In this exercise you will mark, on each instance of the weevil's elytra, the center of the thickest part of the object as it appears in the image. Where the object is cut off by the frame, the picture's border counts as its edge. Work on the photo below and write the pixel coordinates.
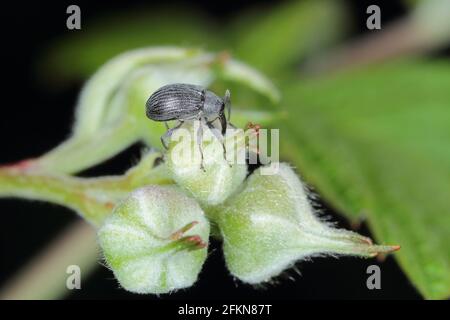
(183, 102)
(175, 102)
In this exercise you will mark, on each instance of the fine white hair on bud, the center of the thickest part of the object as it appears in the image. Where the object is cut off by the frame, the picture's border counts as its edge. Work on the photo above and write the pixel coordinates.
(271, 224)
(155, 241)
(213, 178)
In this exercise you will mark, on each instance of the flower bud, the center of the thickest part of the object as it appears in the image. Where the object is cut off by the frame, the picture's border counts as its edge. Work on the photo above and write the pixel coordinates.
(218, 174)
(271, 224)
(155, 240)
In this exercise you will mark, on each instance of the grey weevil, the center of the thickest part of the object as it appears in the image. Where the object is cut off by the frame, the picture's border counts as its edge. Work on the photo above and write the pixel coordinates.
(182, 102)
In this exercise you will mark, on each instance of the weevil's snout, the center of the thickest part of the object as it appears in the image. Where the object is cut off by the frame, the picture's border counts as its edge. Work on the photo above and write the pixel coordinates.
(223, 122)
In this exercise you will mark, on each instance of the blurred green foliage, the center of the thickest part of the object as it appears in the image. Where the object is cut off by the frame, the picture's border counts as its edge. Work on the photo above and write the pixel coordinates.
(107, 36)
(288, 34)
(374, 142)
(289, 31)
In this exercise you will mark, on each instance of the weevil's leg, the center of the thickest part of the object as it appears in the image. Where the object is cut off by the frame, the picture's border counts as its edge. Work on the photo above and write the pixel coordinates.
(219, 137)
(169, 133)
(228, 123)
(212, 121)
(200, 141)
(223, 123)
(167, 126)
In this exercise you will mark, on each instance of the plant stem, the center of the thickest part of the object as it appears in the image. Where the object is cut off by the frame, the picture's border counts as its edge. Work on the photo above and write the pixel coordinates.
(92, 198)
(77, 154)
(60, 189)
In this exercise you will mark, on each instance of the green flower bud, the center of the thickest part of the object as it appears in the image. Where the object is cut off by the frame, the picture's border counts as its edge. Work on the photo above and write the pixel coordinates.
(214, 178)
(155, 240)
(271, 224)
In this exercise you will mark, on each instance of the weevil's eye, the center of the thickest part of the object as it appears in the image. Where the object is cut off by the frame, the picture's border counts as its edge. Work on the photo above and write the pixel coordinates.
(222, 107)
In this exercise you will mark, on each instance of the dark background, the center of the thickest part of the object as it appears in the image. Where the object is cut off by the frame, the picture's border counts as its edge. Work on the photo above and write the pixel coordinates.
(34, 119)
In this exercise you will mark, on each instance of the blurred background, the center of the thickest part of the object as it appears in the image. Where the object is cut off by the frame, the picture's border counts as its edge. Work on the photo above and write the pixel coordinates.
(292, 42)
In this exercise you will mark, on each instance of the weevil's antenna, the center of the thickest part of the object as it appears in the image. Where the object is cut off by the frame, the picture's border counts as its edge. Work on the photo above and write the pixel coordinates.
(227, 101)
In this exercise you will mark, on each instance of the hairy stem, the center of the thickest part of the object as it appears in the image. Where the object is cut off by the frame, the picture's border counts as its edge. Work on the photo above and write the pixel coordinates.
(77, 154)
(92, 198)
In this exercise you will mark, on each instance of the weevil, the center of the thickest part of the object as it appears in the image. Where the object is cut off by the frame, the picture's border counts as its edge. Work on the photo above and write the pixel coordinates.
(183, 102)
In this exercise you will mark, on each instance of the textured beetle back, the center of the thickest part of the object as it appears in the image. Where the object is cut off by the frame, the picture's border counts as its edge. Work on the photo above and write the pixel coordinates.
(175, 102)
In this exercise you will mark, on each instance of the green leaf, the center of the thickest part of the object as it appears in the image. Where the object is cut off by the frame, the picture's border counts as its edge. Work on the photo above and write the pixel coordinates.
(376, 144)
